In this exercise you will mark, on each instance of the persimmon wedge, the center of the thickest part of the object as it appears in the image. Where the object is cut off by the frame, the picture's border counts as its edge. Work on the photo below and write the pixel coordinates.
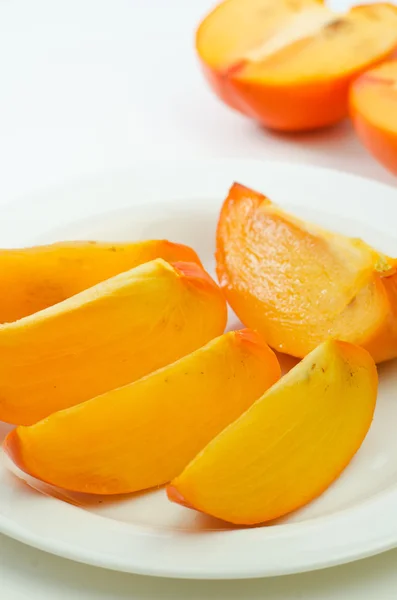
(290, 445)
(142, 435)
(373, 107)
(106, 337)
(289, 63)
(36, 278)
(298, 284)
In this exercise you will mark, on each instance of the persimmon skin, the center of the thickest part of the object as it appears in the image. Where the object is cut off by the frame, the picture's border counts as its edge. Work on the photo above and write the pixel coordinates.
(382, 144)
(297, 108)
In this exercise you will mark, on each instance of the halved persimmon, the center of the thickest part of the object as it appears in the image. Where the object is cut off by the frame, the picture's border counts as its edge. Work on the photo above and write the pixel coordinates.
(298, 284)
(38, 277)
(289, 63)
(144, 434)
(105, 337)
(290, 445)
(373, 107)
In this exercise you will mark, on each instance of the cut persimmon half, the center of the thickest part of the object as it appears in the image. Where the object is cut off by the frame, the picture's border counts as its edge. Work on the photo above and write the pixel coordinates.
(105, 337)
(373, 107)
(144, 434)
(289, 63)
(298, 284)
(290, 445)
(38, 277)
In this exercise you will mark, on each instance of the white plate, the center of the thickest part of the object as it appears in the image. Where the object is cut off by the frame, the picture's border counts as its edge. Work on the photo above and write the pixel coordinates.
(144, 533)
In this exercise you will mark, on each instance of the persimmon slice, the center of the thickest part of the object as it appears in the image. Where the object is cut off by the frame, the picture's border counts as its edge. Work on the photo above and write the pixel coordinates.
(290, 445)
(298, 284)
(145, 433)
(105, 337)
(38, 277)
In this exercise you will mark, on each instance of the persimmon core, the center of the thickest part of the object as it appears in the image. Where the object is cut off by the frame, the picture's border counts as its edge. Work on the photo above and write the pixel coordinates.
(297, 27)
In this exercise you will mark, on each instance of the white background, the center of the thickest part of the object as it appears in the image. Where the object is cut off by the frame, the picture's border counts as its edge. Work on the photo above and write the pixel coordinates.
(87, 86)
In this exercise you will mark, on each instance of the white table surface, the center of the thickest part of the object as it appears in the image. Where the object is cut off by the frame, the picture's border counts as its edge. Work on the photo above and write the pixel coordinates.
(90, 85)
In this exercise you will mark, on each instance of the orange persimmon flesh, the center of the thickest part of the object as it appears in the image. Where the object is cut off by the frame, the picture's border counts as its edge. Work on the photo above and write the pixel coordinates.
(298, 284)
(36, 278)
(290, 445)
(142, 435)
(106, 337)
(289, 63)
(373, 107)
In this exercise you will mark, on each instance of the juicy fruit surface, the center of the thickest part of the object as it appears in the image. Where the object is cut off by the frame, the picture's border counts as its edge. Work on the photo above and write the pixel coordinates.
(284, 42)
(39, 277)
(144, 434)
(298, 284)
(339, 44)
(106, 337)
(290, 445)
(222, 44)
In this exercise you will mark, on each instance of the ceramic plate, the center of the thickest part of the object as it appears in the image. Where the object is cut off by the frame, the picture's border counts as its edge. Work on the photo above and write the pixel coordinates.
(144, 533)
